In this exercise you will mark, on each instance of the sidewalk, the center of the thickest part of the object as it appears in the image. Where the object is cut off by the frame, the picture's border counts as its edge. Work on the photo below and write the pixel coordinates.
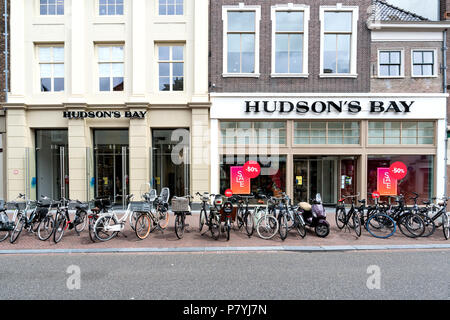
(193, 241)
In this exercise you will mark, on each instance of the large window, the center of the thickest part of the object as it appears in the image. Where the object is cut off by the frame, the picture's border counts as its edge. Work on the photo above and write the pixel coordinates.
(170, 7)
(51, 68)
(271, 181)
(327, 133)
(339, 40)
(51, 7)
(247, 133)
(420, 177)
(289, 42)
(241, 42)
(110, 7)
(390, 63)
(424, 63)
(407, 132)
(111, 68)
(171, 68)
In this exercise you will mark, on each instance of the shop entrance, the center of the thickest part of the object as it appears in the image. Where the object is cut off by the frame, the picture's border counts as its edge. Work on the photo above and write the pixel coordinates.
(329, 176)
(111, 164)
(52, 169)
(171, 160)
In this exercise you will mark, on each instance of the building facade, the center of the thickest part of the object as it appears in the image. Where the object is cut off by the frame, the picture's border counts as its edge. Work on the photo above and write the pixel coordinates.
(326, 97)
(107, 97)
(4, 67)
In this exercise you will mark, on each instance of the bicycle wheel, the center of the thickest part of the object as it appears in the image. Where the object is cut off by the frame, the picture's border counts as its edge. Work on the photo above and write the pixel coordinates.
(446, 226)
(133, 218)
(81, 221)
(17, 228)
(300, 225)
(91, 229)
(228, 227)
(201, 220)
(164, 220)
(267, 227)
(340, 217)
(430, 226)
(100, 228)
(357, 223)
(283, 226)
(411, 225)
(381, 226)
(60, 228)
(4, 234)
(45, 228)
(249, 225)
(143, 226)
(214, 227)
(179, 225)
(240, 216)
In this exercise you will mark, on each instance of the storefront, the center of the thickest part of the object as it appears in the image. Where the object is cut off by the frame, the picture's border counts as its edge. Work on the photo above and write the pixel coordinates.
(82, 153)
(331, 144)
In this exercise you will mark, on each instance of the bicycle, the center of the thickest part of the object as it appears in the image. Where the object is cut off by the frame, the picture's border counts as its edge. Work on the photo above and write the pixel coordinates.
(214, 218)
(101, 207)
(23, 221)
(181, 207)
(244, 215)
(47, 225)
(264, 219)
(108, 225)
(6, 226)
(205, 198)
(351, 219)
(155, 216)
(436, 210)
(63, 222)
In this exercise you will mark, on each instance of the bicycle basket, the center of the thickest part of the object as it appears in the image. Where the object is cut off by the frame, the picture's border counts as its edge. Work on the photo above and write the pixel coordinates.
(16, 205)
(180, 205)
(165, 195)
(139, 206)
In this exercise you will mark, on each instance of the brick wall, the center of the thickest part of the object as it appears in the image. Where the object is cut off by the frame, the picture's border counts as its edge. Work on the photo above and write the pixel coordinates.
(406, 84)
(267, 84)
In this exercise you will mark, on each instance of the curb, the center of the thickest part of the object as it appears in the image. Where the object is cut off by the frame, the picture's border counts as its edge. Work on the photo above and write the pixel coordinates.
(229, 249)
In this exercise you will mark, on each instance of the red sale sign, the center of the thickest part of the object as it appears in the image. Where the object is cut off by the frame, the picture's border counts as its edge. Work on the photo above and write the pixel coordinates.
(376, 195)
(240, 184)
(398, 170)
(386, 184)
(252, 169)
(228, 193)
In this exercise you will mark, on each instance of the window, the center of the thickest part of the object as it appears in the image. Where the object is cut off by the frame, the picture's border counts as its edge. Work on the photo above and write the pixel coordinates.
(423, 63)
(51, 7)
(390, 63)
(289, 50)
(241, 43)
(405, 133)
(111, 68)
(327, 133)
(110, 7)
(245, 133)
(339, 40)
(171, 68)
(51, 68)
(170, 7)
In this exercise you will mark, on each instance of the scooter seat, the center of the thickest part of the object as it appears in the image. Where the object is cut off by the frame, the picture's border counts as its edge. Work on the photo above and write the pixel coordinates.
(305, 206)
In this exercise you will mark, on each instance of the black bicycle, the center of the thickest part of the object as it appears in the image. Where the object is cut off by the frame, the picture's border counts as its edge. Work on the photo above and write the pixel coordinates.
(244, 215)
(181, 207)
(213, 220)
(203, 218)
(351, 219)
(63, 221)
(431, 213)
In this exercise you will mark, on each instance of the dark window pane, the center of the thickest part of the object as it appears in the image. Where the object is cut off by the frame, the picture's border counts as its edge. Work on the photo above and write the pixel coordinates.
(104, 84)
(46, 84)
(58, 84)
(118, 84)
(164, 84)
(178, 84)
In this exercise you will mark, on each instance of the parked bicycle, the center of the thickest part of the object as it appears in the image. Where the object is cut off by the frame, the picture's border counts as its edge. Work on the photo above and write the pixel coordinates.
(203, 217)
(63, 221)
(350, 219)
(181, 207)
(6, 226)
(214, 217)
(23, 221)
(264, 218)
(244, 215)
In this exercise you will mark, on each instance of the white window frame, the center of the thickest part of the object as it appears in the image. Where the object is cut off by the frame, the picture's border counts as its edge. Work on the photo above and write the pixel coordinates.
(240, 7)
(402, 63)
(354, 40)
(97, 11)
(38, 67)
(170, 15)
(97, 63)
(435, 67)
(38, 5)
(171, 62)
(306, 16)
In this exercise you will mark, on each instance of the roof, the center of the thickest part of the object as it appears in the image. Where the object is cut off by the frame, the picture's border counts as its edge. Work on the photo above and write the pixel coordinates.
(383, 11)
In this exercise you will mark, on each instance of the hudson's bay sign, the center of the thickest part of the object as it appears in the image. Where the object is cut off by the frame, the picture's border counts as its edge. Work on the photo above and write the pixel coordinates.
(104, 114)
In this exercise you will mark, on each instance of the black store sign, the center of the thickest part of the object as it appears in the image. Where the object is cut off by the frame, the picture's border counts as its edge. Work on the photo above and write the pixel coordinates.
(104, 114)
(319, 107)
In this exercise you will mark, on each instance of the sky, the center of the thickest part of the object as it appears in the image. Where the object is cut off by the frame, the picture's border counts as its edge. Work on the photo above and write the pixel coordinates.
(426, 8)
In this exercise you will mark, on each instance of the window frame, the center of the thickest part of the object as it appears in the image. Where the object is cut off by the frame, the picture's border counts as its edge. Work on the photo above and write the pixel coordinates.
(170, 15)
(402, 63)
(97, 62)
(38, 63)
(253, 140)
(306, 16)
(353, 41)
(241, 8)
(171, 62)
(116, 16)
(400, 137)
(435, 62)
(38, 5)
(327, 136)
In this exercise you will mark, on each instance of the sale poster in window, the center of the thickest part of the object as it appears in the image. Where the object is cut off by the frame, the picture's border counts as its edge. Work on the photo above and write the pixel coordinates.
(240, 184)
(386, 184)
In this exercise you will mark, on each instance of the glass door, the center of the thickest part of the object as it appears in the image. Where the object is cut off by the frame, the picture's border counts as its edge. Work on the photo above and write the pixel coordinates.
(301, 180)
(111, 164)
(348, 176)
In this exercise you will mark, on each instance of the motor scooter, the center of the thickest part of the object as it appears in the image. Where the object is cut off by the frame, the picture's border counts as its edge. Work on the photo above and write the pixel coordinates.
(315, 216)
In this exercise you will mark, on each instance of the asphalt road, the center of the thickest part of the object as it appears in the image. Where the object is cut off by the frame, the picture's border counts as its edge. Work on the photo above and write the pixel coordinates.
(227, 276)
